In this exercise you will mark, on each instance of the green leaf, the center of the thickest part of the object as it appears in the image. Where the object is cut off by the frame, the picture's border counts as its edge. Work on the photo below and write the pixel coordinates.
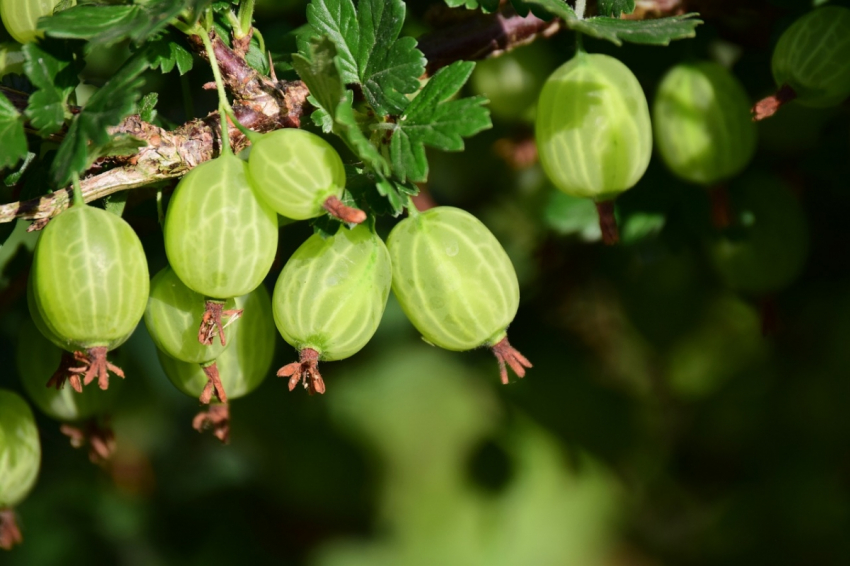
(88, 136)
(168, 52)
(107, 25)
(147, 107)
(52, 67)
(14, 177)
(115, 203)
(354, 137)
(616, 7)
(659, 31)
(369, 50)
(13, 140)
(434, 120)
(318, 67)
(555, 7)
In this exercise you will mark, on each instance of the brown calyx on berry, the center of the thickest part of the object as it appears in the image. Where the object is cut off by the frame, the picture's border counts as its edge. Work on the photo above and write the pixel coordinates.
(347, 214)
(10, 534)
(215, 418)
(767, 107)
(305, 371)
(65, 372)
(608, 222)
(212, 324)
(213, 385)
(508, 355)
(94, 365)
(98, 436)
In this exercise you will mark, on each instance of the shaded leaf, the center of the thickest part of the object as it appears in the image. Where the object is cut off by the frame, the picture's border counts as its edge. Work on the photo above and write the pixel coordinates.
(109, 24)
(434, 120)
(659, 31)
(616, 7)
(168, 52)
(13, 140)
(88, 134)
(52, 68)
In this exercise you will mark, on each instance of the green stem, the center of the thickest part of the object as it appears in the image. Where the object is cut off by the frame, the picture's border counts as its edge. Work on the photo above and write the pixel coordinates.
(223, 104)
(246, 15)
(250, 134)
(412, 211)
(579, 42)
(78, 191)
(261, 41)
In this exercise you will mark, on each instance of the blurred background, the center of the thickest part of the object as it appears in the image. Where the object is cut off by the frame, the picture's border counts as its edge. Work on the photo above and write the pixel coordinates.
(671, 417)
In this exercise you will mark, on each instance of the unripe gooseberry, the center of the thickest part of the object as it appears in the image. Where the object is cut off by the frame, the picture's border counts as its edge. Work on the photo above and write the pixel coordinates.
(702, 123)
(809, 62)
(20, 459)
(766, 248)
(300, 175)
(329, 299)
(21, 17)
(245, 363)
(512, 81)
(172, 317)
(455, 283)
(593, 129)
(220, 238)
(90, 284)
(240, 368)
(37, 360)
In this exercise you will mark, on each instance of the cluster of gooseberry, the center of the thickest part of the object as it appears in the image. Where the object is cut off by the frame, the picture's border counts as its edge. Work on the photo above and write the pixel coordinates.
(208, 313)
(594, 137)
(213, 321)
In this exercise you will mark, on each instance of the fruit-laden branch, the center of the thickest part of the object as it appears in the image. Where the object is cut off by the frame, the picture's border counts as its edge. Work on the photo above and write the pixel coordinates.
(261, 104)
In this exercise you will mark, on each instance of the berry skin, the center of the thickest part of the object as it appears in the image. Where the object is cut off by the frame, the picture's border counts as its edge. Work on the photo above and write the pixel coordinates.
(329, 299)
(172, 317)
(811, 57)
(299, 175)
(593, 129)
(220, 238)
(455, 282)
(89, 284)
(702, 123)
(766, 249)
(37, 360)
(20, 459)
(239, 369)
(246, 361)
(21, 17)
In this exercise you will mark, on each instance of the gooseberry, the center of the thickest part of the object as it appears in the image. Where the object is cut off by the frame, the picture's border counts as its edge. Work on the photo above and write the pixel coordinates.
(810, 62)
(20, 458)
(329, 300)
(455, 283)
(300, 175)
(765, 249)
(593, 131)
(220, 238)
(21, 17)
(242, 366)
(89, 285)
(702, 124)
